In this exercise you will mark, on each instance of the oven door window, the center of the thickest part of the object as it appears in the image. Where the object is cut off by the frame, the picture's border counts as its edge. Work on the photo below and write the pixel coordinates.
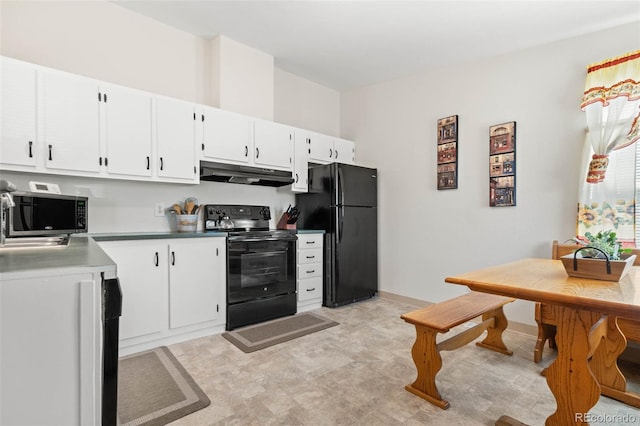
(260, 269)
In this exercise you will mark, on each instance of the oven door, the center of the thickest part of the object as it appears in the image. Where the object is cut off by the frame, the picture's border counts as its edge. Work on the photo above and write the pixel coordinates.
(260, 267)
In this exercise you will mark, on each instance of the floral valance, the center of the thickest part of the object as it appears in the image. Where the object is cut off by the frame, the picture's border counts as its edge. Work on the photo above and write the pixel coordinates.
(613, 78)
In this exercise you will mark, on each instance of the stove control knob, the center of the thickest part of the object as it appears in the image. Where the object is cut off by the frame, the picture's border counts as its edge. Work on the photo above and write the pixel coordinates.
(266, 289)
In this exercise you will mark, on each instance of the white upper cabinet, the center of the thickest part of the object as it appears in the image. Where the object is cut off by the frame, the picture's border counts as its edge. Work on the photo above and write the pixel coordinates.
(344, 151)
(325, 149)
(226, 136)
(320, 148)
(273, 145)
(300, 161)
(70, 121)
(18, 145)
(234, 138)
(176, 155)
(127, 130)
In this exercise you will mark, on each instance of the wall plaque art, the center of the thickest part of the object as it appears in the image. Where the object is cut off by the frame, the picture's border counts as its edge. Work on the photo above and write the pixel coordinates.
(502, 165)
(448, 152)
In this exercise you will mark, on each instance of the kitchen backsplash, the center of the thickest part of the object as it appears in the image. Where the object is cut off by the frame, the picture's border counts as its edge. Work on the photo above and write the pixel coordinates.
(129, 206)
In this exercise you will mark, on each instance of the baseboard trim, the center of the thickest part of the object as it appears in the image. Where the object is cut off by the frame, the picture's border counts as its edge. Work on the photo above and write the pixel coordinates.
(519, 327)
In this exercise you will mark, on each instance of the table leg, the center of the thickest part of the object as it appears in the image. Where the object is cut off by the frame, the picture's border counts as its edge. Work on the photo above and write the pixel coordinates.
(570, 379)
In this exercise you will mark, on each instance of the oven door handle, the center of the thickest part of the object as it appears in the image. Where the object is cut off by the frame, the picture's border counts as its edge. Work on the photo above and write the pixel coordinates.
(256, 239)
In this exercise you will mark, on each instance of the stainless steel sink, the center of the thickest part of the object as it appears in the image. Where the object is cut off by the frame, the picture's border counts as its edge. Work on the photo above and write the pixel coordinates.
(35, 243)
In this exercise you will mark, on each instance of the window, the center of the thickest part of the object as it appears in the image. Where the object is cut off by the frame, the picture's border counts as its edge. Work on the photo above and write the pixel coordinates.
(609, 190)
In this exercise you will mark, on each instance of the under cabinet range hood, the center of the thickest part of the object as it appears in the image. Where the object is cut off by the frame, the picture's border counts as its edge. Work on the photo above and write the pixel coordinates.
(232, 173)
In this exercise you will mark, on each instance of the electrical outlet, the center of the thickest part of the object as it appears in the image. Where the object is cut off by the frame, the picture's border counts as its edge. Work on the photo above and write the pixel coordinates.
(160, 210)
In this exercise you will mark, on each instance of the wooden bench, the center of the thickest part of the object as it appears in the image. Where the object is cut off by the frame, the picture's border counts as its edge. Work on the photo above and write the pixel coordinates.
(440, 318)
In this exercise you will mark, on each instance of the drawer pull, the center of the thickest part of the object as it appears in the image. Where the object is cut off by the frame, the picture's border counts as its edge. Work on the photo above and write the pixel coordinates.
(311, 271)
(311, 289)
(311, 242)
(311, 257)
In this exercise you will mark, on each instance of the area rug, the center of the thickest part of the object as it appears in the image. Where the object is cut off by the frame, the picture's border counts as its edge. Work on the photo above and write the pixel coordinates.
(263, 335)
(154, 389)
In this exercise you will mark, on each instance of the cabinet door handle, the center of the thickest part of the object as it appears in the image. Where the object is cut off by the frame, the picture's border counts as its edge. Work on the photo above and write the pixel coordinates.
(30, 149)
(100, 161)
(311, 271)
(311, 257)
(246, 151)
(161, 164)
(157, 259)
(330, 153)
(50, 155)
(106, 161)
(257, 152)
(311, 289)
(173, 258)
(296, 178)
(148, 162)
(336, 151)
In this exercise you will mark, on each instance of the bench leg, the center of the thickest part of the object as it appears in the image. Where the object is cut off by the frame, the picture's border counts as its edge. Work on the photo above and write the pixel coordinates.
(545, 332)
(428, 363)
(494, 340)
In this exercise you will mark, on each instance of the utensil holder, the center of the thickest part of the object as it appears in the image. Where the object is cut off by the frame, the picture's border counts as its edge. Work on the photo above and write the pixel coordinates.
(187, 222)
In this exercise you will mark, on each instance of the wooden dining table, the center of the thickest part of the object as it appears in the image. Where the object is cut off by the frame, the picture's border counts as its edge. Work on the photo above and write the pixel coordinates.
(588, 338)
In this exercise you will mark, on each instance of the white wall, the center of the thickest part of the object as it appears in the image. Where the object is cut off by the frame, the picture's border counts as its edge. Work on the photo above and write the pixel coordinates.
(426, 235)
(306, 104)
(245, 77)
(121, 206)
(102, 40)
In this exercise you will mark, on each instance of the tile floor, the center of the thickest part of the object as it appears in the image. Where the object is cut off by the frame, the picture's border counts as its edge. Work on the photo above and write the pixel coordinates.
(355, 373)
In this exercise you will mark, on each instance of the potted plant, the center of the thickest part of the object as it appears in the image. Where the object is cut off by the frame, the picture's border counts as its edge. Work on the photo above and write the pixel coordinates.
(600, 257)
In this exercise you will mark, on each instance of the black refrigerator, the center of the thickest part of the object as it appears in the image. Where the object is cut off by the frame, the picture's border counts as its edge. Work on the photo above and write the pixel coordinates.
(342, 201)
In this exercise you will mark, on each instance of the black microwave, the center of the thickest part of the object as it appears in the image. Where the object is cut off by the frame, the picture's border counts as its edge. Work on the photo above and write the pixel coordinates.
(39, 214)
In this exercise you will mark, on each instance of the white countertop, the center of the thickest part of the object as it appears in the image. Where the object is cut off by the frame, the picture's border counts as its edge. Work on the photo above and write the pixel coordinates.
(81, 255)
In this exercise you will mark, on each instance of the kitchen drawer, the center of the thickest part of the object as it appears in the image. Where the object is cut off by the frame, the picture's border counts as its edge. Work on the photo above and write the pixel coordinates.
(309, 256)
(309, 241)
(309, 270)
(310, 288)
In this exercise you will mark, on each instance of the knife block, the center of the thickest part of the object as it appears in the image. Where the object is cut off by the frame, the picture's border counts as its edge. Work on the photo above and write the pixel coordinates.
(282, 223)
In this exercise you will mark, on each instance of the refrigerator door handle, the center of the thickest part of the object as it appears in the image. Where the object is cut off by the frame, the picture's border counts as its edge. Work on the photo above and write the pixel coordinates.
(340, 189)
(339, 217)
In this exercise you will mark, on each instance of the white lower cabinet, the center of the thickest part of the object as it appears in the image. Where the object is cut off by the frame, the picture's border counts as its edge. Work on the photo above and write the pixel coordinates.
(197, 278)
(310, 271)
(50, 351)
(172, 289)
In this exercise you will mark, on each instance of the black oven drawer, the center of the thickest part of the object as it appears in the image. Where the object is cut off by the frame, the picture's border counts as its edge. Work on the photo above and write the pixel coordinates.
(256, 311)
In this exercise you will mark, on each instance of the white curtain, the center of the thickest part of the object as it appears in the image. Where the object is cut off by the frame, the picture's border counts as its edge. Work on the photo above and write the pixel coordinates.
(611, 103)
